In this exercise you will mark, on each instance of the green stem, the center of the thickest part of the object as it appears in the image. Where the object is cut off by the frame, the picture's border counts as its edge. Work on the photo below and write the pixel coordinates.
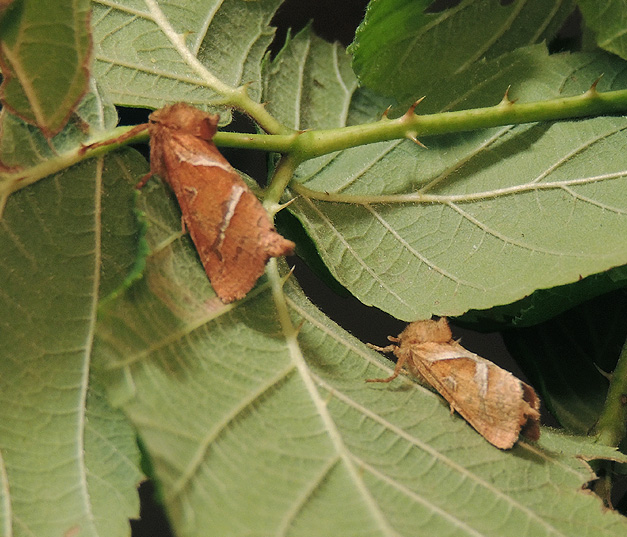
(314, 143)
(612, 425)
(290, 332)
(16, 180)
(412, 126)
(300, 146)
(276, 143)
(281, 178)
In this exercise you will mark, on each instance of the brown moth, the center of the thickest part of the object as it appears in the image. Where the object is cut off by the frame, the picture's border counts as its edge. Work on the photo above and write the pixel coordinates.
(496, 403)
(231, 230)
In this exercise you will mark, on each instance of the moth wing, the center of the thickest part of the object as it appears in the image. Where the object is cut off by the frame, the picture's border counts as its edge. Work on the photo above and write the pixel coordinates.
(492, 400)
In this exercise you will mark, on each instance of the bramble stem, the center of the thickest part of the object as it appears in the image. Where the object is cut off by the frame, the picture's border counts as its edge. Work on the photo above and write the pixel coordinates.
(314, 143)
(280, 179)
(301, 146)
(612, 425)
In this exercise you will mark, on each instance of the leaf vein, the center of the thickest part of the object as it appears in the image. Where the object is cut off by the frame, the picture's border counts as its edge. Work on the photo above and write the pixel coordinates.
(220, 426)
(336, 437)
(418, 498)
(417, 254)
(496, 34)
(348, 248)
(300, 502)
(508, 240)
(178, 42)
(401, 433)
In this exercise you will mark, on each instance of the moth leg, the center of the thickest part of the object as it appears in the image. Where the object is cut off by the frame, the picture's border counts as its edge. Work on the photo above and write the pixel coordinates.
(399, 364)
(389, 348)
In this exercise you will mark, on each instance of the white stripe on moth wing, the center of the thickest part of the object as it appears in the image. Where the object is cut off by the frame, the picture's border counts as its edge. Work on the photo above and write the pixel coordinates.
(229, 210)
(200, 159)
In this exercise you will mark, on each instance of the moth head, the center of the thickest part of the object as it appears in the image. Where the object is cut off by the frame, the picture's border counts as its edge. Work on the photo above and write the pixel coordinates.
(187, 119)
(427, 331)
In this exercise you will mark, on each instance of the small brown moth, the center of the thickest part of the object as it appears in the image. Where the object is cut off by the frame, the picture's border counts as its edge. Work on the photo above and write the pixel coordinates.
(231, 230)
(496, 403)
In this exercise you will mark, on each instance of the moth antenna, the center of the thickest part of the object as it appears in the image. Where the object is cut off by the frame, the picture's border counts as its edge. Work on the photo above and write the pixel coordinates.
(402, 358)
(300, 326)
(137, 129)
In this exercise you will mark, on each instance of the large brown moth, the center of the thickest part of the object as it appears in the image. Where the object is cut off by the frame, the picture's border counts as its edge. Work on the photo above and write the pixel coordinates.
(231, 230)
(496, 403)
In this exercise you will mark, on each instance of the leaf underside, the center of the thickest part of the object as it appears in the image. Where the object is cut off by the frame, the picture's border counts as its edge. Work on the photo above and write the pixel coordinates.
(510, 209)
(607, 20)
(248, 435)
(397, 33)
(140, 60)
(68, 461)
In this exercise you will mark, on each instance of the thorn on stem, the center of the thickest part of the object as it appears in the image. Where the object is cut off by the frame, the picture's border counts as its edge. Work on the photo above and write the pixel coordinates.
(283, 282)
(288, 203)
(143, 181)
(411, 110)
(385, 114)
(412, 136)
(593, 89)
(605, 374)
(506, 101)
(274, 208)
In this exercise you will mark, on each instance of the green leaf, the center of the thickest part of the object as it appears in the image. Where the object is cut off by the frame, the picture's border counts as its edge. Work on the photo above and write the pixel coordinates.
(608, 21)
(248, 434)
(575, 348)
(404, 52)
(544, 304)
(322, 99)
(23, 147)
(153, 53)
(45, 93)
(69, 461)
(506, 210)
(251, 432)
